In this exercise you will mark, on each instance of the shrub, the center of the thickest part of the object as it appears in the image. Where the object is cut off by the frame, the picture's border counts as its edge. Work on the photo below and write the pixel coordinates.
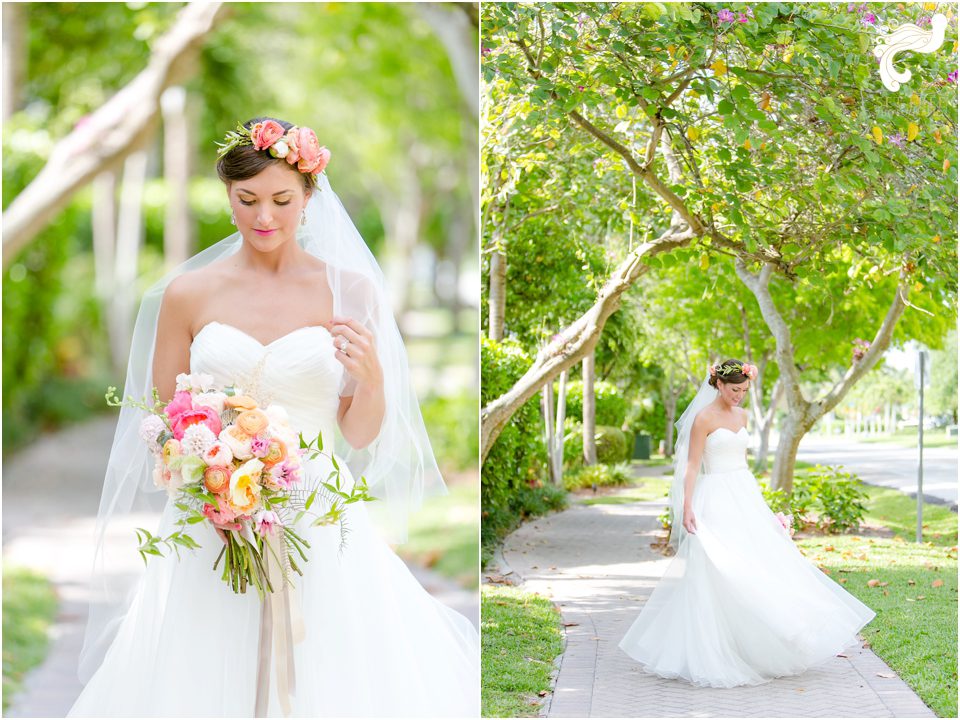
(451, 422)
(572, 444)
(601, 475)
(611, 445)
(829, 498)
(511, 485)
(611, 407)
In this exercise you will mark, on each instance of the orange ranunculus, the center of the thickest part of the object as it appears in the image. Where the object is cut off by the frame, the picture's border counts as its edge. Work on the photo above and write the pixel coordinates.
(216, 478)
(240, 402)
(276, 453)
(252, 422)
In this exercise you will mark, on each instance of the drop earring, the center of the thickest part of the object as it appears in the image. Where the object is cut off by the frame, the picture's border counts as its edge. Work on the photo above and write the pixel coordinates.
(233, 219)
(303, 218)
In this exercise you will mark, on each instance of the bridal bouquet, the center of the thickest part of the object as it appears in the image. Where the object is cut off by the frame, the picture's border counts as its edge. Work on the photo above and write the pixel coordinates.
(239, 467)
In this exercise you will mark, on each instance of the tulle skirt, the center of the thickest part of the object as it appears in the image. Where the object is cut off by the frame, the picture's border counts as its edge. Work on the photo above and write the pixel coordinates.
(739, 604)
(376, 645)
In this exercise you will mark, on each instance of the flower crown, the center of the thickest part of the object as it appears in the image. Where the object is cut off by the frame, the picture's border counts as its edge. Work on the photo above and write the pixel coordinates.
(298, 145)
(727, 369)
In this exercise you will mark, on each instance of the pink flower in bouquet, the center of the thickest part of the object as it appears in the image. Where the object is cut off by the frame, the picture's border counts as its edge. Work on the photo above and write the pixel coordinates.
(150, 430)
(199, 414)
(285, 474)
(221, 516)
(266, 522)
(259, 446)
(786, 521)
(213, 400)
(218, 454)
(181, 403)
(266, 134)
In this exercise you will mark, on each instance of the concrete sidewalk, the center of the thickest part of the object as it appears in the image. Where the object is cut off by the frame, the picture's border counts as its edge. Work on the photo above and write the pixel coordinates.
(51, 491)
(595, 562)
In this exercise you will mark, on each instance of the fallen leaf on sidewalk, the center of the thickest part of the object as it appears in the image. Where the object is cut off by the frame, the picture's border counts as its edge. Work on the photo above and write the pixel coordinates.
(543, 693)
(570, 624)
(843, 655)
(886, 675)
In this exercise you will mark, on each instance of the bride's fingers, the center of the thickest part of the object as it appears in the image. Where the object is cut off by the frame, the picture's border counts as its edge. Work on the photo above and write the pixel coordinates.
(359, 328)
(349, 333)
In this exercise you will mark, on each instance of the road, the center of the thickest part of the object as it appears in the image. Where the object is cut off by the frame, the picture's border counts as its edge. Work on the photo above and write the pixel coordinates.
(888, 465)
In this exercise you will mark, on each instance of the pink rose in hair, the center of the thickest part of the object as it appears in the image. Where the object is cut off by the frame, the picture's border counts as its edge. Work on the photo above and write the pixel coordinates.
(266, 134)
(311, 154)
(292, 139)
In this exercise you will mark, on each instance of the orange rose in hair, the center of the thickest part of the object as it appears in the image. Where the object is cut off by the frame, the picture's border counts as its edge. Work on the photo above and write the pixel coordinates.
(266, 134)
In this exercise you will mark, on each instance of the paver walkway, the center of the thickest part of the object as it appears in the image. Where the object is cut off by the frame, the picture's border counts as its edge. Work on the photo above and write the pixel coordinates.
(595, 562)
(51, 491)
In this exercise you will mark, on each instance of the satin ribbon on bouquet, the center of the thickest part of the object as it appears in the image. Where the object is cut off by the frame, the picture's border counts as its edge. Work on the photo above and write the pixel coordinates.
(281, 627)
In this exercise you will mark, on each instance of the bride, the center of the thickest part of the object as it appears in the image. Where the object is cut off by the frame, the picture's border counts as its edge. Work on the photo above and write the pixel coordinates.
(292, 308)
(738, 603)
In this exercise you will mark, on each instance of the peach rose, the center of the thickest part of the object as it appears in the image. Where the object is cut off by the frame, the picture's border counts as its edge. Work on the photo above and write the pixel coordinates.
(216, 478)
(238, 442)
(266, 134)
(218, 454)
(252, 422)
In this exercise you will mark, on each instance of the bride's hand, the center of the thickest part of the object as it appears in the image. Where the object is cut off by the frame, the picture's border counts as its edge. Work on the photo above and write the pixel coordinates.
(689, 521)
(356, 350)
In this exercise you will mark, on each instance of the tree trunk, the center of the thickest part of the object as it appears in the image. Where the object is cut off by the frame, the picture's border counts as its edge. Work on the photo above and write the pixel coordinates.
(802, 413)
(764, 425)
(124, 123)
(497, 294)
(14, 57)
(577, 339)
(176, 172)
(104, 236)
(129, 239)
(561, 417)
(549, 434)
(589, 411)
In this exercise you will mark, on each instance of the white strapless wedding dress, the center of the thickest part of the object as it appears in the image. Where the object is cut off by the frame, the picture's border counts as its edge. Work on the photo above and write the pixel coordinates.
(739, 604)
(376, 645)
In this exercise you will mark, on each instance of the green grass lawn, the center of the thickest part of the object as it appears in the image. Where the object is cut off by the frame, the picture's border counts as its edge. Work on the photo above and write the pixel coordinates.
(29, 606)
(897, 511)
(643, 488)
(445, 534)
(521, 635)
(915, 598)
(908, 438)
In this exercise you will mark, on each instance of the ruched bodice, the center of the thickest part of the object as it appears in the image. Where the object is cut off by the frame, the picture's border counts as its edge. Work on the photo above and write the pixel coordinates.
(725, 450)
(297, 371)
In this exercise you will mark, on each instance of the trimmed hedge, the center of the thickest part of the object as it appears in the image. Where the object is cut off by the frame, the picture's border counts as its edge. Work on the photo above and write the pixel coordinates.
(511, 485)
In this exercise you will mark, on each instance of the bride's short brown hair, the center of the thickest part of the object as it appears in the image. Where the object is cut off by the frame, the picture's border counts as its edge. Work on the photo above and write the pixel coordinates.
(244, 161)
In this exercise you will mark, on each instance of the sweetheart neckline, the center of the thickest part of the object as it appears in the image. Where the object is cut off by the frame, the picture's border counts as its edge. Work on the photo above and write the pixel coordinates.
(734, 432)
(251, 337)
